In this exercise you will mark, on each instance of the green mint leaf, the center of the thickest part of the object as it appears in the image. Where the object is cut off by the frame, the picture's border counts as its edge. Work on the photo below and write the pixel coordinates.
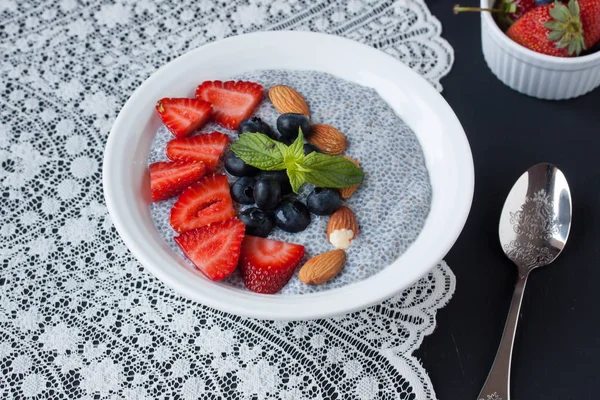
(330, 171)
(260, 151)
(296, 179)
(294, 154)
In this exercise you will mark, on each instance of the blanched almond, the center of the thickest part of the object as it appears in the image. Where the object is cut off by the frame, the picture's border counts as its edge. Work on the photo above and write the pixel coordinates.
(342, 228)
(323, 267)
(288, 100)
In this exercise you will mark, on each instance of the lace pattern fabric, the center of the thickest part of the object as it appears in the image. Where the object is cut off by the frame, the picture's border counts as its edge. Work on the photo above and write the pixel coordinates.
(79, 317)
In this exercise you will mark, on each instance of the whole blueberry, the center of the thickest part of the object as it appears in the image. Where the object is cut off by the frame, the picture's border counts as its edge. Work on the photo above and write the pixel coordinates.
(288, 125)
(267, 193)
(323, 201)
(281, 177)
(255, 125)
(237, 167)
(292, 216)
(242, 190)
(310, 148)
(257, 221)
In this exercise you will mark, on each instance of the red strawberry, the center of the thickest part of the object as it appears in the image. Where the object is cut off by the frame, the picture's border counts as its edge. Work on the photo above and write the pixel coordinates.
(267, 265)
(207, 148)
(558, 30)
(590, 19)
(214, 249)
(202, 204)
(183, 116)
(168, 179)
(232, 101)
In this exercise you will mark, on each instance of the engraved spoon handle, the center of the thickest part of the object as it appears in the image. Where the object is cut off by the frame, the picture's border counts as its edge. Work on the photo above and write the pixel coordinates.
(497, 385)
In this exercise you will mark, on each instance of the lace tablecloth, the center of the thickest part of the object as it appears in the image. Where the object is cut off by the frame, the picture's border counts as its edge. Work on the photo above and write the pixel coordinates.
(79, 317)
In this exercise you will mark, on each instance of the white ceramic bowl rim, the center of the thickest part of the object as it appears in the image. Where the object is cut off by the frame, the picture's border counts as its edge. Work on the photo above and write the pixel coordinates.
(447, 153)
(527, 55)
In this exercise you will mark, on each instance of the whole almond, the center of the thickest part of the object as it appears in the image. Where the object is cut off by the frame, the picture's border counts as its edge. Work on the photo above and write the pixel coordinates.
(328, 139)
(342, 228)
(347, 192)
(323, 267)
(288, 100)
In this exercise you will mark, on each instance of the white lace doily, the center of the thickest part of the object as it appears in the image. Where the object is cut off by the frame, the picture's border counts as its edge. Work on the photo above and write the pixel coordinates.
(79, 317)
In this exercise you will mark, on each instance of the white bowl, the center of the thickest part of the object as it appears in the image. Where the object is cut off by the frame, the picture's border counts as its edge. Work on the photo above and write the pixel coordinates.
(447, 153)
(534, 74)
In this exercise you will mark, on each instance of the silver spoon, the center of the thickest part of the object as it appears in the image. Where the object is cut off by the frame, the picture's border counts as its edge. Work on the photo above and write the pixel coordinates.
(534, 227)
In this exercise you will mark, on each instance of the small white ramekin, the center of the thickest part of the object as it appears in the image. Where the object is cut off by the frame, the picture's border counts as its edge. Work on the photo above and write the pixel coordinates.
(535, 74)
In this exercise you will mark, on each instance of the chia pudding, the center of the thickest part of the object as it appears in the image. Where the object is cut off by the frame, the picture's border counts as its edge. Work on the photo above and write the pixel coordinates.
(392, 203)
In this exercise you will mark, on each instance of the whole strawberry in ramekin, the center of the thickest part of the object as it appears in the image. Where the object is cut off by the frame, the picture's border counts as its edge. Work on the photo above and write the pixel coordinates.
(547, 52)
(559, 30)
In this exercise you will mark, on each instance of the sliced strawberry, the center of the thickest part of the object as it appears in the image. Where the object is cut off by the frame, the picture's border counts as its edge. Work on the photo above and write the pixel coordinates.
(202, 204)
(214, 249)
(183, 116)
(168, 179)
(232, 101)
(207, 148)
(267, 265)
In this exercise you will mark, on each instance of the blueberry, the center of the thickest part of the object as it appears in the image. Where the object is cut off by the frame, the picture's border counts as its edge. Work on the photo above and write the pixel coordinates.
(237, 167)
(309, 148)
(267, 193)
(292, 216)
(242, 190)
(288, 124)
(281, 177)
(258, 222)
(323, 201)
(255, 125)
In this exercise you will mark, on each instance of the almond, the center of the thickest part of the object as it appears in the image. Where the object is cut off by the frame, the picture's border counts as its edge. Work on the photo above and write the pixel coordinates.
(347, 192)
(342, 228)
(288, 100)
(323, 267)
(328, 139)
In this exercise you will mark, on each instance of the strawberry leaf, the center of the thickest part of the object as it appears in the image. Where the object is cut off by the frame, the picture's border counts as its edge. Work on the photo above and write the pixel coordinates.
(555, 35)
(574, 8)
(560, 12)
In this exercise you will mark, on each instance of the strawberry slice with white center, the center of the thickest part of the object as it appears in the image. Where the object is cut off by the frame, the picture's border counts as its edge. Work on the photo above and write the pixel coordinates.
(267, 265)
(214, 249)
(183, 116)
(206, 147)
(168, 179)
(202, 204)
(232, 101)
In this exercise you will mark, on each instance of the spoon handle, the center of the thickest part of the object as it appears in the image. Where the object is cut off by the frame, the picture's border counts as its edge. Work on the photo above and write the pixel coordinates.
(497, 385)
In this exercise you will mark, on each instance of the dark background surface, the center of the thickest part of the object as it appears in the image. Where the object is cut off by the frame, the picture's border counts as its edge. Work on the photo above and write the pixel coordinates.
(557, 347)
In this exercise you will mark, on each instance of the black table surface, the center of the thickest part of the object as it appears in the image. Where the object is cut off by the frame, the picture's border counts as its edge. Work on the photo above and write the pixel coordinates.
(557, 347)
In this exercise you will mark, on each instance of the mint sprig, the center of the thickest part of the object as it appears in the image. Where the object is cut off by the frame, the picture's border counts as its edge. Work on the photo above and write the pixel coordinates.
(260, 151)
(321, 170)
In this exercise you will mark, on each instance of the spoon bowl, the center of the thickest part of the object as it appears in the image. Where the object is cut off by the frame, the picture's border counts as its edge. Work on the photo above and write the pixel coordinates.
(534, 227)
(536, 218)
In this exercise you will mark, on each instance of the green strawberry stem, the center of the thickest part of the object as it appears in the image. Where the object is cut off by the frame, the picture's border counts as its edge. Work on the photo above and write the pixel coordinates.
(459, 9)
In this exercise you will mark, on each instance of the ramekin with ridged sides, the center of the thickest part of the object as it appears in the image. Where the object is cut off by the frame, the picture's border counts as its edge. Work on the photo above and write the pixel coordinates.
(535, 74)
